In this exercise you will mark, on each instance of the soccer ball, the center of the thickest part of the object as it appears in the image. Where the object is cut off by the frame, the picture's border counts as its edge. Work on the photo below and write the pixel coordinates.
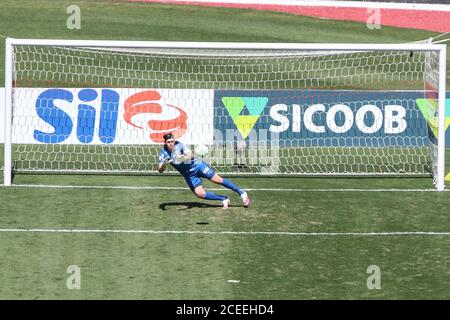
(201, 150)
(241, 145)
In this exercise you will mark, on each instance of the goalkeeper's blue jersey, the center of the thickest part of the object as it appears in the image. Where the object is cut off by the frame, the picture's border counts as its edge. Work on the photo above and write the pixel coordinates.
(187, 167)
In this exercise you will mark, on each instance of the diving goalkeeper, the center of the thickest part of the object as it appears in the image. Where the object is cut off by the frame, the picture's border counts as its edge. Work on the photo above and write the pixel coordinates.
(193, 169)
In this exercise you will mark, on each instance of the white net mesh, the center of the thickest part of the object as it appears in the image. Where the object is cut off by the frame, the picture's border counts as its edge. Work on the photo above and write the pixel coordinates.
(259, 111)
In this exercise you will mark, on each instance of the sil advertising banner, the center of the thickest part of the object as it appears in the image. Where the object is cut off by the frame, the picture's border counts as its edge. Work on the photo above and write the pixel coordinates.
(111, 116)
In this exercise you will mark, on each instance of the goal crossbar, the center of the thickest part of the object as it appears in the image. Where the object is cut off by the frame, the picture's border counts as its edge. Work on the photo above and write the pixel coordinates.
(227, 45)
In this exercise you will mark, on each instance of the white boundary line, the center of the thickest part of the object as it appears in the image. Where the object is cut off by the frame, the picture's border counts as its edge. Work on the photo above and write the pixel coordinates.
(325, 3)
(233, 233)
(223, 189)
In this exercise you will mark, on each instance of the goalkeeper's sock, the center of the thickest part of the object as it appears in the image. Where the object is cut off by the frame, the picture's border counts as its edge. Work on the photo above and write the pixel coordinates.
(214, 196)
(230, 185)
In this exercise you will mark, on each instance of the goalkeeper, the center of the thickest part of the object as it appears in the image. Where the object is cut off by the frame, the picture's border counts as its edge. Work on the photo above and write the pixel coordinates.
(193, 169)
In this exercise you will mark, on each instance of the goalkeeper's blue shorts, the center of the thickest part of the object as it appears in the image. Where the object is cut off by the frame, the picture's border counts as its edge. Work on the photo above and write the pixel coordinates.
(193, 177)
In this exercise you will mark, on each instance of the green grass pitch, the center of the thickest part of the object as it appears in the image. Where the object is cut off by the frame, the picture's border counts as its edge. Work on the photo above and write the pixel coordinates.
(303, 258)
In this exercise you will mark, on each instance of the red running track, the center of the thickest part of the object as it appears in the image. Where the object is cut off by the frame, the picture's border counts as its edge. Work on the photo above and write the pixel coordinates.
(438, 21)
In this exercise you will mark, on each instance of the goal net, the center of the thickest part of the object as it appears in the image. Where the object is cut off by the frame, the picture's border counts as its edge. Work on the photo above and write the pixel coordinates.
(103, 107)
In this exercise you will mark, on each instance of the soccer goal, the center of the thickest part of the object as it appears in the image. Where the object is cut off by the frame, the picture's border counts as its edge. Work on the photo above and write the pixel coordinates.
(261, 108)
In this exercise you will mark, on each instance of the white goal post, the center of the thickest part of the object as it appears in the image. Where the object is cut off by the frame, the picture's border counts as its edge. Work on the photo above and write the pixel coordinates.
(88, 106)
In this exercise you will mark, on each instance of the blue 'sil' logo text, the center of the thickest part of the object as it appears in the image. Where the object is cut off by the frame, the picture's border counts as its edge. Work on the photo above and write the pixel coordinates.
(62, 123)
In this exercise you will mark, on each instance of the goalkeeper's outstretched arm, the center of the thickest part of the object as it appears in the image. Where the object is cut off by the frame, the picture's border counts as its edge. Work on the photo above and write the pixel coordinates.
(163, 165)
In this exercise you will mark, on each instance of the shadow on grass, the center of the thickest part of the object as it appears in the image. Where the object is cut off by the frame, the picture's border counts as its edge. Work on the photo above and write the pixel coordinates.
(187, 205)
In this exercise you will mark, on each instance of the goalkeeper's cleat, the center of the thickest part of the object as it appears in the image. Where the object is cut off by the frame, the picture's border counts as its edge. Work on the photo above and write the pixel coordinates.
(226, 203)
(245, 199)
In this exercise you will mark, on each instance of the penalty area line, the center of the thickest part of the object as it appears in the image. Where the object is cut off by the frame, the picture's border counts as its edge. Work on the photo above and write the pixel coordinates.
(232, 233)
(222, 189)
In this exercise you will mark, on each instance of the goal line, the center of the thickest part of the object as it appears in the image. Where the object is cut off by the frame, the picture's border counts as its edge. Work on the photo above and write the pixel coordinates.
(232, 233)
(222, 189)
